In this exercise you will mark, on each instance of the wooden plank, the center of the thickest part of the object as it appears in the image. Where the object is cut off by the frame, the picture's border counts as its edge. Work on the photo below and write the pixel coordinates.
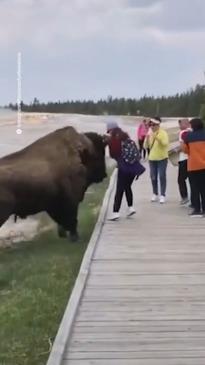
(147, 268)
(142, 306)
(144, 241)
(135, 355)
(168, 225)
(145, 344)
(156, 361)
(159, 247)
(119, 280)
(192, 291)
(147, 326)
(161, 250)
(134, 316)
(135, 257)
(132, 336)
(141, 237)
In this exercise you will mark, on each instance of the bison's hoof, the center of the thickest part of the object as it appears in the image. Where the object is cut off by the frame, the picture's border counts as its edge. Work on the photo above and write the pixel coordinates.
(74, 237)
(62, 232)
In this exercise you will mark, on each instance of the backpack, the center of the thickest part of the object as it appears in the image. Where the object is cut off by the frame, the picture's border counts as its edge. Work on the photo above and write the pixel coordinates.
(130, 152)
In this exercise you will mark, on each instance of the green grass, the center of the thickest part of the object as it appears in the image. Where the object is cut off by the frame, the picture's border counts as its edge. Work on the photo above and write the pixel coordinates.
(36, 280)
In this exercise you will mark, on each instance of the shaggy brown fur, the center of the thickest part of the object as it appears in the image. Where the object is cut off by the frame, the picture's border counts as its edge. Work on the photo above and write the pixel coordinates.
(52, 175)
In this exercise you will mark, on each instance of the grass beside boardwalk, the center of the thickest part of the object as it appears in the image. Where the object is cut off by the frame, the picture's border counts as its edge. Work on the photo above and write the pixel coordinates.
(36, 280)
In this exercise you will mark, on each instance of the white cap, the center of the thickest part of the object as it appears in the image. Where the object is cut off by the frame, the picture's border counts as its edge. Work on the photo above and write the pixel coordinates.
(155, 121)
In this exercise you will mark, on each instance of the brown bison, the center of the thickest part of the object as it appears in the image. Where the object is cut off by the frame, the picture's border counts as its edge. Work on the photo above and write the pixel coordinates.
(52, 175)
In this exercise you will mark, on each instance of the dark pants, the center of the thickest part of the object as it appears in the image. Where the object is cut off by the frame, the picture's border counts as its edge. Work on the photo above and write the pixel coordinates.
(197, 180)
(158, 168)
(142, 150)
(182, 177)
(124, 182)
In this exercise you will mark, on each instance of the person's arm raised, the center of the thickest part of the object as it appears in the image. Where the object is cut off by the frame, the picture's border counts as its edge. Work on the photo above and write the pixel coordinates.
(162, 138)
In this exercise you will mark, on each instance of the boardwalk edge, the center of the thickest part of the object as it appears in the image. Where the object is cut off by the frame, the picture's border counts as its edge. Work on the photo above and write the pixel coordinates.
(64, 331)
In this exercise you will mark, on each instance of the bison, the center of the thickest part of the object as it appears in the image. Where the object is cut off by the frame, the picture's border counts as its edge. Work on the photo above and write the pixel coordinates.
(52, 175)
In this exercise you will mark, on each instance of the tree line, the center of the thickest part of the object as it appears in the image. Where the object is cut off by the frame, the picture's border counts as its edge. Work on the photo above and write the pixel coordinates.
(185, 104)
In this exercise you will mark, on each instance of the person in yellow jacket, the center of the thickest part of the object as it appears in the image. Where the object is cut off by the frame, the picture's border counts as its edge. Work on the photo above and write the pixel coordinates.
(157, 142)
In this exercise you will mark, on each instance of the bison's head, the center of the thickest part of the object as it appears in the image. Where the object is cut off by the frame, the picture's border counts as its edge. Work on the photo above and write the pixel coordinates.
(94, 158)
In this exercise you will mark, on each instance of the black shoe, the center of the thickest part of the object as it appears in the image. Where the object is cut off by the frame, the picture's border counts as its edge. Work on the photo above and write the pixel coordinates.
(196, 214)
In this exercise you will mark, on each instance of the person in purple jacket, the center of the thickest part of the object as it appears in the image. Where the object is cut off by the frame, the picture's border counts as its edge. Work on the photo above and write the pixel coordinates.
(126, 153)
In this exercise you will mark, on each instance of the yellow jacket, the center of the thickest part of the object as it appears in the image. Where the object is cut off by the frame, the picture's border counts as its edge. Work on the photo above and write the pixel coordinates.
(159, 144)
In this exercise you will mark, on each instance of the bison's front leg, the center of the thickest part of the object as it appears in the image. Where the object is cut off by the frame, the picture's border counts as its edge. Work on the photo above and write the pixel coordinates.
(66, 218)
(63, 234)
(72, 223)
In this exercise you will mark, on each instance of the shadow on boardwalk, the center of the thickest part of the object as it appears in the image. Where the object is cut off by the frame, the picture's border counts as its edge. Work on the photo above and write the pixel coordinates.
(142, 296)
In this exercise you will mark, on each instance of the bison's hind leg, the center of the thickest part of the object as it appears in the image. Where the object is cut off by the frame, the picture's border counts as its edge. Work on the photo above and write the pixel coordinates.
(6, 209)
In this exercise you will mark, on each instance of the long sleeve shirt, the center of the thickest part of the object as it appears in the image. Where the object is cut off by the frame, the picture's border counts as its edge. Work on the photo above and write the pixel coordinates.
(142, 131)
(158, 143)
(194, 147)
(115, 148)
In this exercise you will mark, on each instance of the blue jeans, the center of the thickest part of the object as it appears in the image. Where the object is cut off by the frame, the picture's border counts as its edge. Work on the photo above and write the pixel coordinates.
(159, 168)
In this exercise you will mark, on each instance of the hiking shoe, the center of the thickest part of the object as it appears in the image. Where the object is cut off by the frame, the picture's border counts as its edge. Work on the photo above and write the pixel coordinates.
(195, 214)
(154, 198)
(114, 217)
(131, 211)
(162, 199)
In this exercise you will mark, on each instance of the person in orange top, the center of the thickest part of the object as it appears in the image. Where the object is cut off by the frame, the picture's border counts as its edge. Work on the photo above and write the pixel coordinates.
(194, 146)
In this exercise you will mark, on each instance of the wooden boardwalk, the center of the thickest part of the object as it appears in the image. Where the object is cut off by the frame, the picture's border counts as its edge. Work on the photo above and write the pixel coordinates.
(143, 301)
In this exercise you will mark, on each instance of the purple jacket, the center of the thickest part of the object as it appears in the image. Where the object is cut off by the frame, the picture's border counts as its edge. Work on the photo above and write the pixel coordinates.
(136, 169)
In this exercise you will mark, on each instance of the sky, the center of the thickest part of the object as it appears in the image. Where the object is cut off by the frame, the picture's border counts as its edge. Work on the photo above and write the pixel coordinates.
(89, 49)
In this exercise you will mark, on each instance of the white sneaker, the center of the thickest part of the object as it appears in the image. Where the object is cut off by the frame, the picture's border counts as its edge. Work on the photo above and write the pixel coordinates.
(131, 211)
(162, 199)
(114, 217)
(154, 198)
(184, 201)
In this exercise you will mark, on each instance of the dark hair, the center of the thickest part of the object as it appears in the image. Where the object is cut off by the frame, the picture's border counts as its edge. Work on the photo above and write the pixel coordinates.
(158, 118)
(196, 124)
(118, 132)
